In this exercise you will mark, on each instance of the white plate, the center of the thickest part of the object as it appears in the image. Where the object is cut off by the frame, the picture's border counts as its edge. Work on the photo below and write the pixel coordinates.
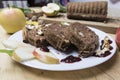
(84, 63)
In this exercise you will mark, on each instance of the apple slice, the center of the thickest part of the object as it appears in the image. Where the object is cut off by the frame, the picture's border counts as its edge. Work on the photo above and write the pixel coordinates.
(13, 44)
(23, 54)
(45, 57)
(51, 9)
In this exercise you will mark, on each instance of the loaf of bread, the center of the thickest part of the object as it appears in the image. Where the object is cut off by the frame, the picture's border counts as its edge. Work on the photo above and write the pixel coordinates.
(95, 11)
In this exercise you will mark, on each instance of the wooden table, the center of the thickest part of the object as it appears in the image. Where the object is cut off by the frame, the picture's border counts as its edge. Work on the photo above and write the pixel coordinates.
(11, 70)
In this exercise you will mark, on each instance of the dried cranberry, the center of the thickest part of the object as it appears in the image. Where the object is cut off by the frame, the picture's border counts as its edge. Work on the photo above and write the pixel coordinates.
(109, 41)
(110, 47)
(44, 48)
(106, 54)
(103, 55)
(71, 59)
(102, 41)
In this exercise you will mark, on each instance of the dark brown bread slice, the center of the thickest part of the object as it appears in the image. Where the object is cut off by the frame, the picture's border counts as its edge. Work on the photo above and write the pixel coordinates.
(96, 11)
(35, 39)
(83, 38)
(54, 34)
(32, 37)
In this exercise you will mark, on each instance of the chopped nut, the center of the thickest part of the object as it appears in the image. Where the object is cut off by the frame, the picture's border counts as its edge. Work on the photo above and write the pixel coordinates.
(65, 23)
(81, 34)
(104, 47)
(30, 26)
(39, 32)
(102, 51)
(34, 18)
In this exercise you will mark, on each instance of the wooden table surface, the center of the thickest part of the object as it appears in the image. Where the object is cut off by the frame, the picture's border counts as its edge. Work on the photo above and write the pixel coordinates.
(11, 70)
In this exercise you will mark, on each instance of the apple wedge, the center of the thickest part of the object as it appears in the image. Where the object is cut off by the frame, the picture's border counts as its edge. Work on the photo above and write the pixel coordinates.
(45, 57)
(23, 54)
(51, 9)
(13, 44)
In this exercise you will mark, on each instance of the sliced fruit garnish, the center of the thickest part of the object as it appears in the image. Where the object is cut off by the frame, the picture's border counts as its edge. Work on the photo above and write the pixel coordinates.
(13, 44)
(23, 54)
(45, 57)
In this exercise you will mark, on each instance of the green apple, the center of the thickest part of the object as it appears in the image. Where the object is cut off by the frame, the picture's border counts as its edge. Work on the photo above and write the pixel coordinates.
(23, 54)
(12, 19)
(51, 9)
(45, 57)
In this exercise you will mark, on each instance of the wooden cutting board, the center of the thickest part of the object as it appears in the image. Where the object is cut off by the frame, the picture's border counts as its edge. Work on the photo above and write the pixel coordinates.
(109, 26)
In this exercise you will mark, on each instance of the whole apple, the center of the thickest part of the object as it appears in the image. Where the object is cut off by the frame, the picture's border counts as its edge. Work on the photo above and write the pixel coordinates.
(12, 19)
(118, 37)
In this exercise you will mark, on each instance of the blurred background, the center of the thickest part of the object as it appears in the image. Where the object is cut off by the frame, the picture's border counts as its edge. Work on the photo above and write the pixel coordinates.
(28, 3)
(37, 3)
(113, 5)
